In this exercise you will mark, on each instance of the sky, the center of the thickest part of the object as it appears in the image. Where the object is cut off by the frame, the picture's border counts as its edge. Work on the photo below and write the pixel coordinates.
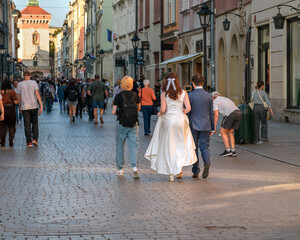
(58, 9)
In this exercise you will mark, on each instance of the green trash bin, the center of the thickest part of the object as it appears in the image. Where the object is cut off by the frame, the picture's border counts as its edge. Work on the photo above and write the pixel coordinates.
(245, 132)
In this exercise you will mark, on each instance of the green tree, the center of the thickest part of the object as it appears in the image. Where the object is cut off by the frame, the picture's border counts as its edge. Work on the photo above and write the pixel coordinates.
(51, 49)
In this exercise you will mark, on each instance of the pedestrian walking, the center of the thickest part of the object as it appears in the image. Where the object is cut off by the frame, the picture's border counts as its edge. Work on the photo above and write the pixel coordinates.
(231, 121)
(30, 106)
(147, 97)
(9, 99)
(71, 95)
(48, 95)
(87, 99)
(260, 110)
(202, 124)
(61, 96)
(126, 106)
(18, 114)
(79, 107)
(172, 146)
(97, 90)
(117, 90)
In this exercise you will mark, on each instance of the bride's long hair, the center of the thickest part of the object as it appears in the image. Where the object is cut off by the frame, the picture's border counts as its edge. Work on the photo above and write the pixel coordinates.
(171, 92)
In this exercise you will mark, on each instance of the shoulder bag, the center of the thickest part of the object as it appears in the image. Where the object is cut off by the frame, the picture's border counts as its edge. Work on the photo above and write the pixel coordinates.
(266, 106)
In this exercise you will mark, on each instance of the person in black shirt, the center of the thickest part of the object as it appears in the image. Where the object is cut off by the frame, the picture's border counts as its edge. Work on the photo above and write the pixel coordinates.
(126, 106)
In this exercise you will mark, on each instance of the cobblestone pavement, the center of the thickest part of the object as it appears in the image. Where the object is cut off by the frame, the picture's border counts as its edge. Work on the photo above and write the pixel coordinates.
(67, 189)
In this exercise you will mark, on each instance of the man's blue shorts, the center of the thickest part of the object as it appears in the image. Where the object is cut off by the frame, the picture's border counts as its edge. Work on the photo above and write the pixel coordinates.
(98, 104)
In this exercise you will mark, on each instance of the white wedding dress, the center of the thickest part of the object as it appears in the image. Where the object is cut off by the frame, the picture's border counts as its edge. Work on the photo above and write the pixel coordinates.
(172, 146)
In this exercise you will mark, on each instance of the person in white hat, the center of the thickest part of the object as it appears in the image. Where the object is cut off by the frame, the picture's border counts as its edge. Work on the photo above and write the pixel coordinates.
(231, 121)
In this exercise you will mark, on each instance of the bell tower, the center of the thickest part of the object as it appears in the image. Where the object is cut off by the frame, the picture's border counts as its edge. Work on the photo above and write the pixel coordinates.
(33, 3)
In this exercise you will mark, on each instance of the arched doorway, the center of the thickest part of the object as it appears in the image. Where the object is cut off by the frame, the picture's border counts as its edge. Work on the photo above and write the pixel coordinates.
(235, 81)
(222, 71)
(37, 75)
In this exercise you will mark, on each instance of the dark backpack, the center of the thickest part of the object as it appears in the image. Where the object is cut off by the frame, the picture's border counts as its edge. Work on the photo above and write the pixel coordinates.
(47, 92)
(72, 94)
(129, 112)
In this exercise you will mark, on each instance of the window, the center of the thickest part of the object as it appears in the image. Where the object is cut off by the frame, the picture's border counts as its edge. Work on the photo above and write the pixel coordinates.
(156, 10)
(185, 5)
(141, 19)
(147, 13)
(170, 12)
(264, 56)
(293, 63)
(35, 62)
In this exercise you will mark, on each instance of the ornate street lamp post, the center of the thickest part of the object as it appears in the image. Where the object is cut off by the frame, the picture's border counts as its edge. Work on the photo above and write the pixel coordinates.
(2, 53)
(101, 53)
(135, 44)
(204, 15)
(8, 57)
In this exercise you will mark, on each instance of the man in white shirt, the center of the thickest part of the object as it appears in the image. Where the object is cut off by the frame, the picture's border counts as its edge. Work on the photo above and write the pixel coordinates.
(30, 106)
(231, 121)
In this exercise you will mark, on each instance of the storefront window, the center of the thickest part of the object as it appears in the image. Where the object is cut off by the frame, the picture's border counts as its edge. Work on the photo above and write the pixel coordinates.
(294, 64)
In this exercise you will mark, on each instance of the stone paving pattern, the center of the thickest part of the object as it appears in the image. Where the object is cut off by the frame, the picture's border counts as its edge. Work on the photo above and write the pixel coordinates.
(67, 189)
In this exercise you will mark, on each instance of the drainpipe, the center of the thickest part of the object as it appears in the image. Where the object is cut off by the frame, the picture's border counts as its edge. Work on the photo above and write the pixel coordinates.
(247, 92)
(212, 46)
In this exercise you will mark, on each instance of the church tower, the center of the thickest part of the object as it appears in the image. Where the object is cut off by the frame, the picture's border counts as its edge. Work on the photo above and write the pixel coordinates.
(34, 39)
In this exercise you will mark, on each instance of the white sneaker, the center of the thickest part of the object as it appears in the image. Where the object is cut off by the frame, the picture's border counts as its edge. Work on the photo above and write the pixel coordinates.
(135, 173)
(120, 172)
(260, 142)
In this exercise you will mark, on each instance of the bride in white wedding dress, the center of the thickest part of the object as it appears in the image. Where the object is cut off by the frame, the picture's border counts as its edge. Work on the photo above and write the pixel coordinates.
(172, 146)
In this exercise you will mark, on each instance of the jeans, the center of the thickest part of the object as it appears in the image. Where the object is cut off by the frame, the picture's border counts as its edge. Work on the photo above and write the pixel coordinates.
(31, 124)
(91, 113)
(147, 111)
(202, 140)
(260, 116)
(79, 107)
(18, 114)
(98, 104)
(62, 105)
(132, 137)
(9, 123)
(48, 102)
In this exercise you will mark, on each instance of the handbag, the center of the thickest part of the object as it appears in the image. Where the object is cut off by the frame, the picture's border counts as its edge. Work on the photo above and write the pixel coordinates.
(266, 106)
(154, 108)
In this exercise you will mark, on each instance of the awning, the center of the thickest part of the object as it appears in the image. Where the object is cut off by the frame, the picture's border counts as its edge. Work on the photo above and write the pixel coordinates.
(179, 59)
(150, 67)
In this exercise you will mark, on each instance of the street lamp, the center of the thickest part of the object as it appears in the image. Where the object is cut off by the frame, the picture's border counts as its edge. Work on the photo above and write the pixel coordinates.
(2, 53)
(226, 22)
(101, 53)
(135, 44)
(204, 16)
(279, 19)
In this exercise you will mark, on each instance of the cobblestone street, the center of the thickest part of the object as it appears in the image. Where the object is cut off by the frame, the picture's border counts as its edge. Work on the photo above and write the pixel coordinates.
(67, 189)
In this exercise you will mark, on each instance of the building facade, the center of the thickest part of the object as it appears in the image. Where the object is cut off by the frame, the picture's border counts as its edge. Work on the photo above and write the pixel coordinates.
(124, 27)
(9, 40)
(191, 42)
(276, 57)
(104, 64)
(34, 39)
